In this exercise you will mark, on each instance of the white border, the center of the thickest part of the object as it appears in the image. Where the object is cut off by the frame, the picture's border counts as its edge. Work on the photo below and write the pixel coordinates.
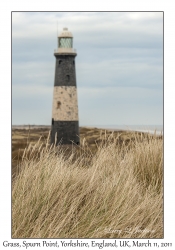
(5, 95)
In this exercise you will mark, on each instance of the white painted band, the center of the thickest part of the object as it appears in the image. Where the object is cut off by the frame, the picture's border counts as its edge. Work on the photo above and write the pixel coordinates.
(65, 105)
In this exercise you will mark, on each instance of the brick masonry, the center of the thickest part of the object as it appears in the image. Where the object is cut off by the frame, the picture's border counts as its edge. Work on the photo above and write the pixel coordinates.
(65, 106)
(65, 74)
(65, 124)
(65, 132)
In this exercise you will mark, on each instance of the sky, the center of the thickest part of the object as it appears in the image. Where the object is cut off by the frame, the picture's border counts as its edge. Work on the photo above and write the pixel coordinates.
(119, 66)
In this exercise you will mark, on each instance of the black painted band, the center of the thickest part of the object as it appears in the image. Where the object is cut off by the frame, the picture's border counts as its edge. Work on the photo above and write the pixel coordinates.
(65, 132)
(65, 74)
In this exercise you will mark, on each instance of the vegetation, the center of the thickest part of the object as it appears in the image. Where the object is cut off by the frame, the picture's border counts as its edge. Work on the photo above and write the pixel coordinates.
(108, 187)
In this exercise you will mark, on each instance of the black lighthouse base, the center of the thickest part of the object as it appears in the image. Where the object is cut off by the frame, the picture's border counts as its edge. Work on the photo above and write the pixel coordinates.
(65, 132)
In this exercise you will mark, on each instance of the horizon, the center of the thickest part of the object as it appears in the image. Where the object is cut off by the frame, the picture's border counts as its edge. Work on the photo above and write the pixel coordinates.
(93, 125)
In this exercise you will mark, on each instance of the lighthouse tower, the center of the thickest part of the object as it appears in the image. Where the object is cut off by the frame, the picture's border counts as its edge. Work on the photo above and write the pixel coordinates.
(65, 125)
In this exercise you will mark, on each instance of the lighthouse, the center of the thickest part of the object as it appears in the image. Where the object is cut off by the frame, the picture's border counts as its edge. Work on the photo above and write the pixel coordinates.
(65, 124)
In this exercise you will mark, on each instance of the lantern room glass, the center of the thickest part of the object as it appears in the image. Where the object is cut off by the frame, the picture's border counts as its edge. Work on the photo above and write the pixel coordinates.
(65, 42)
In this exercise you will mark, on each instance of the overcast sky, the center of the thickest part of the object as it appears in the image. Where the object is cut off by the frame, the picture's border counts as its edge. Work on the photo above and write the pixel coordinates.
(119, 66)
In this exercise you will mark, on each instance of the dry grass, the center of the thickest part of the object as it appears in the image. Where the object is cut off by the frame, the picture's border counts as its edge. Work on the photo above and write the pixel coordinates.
(114, 193)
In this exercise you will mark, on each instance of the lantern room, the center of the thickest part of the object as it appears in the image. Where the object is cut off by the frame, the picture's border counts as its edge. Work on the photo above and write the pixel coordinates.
(65, 43)
(65, 39)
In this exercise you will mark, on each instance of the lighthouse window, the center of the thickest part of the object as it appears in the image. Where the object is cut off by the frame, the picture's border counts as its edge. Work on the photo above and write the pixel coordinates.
(58, 105)
(73, 62)
(68, 78)
(65, 42)
(60, 61)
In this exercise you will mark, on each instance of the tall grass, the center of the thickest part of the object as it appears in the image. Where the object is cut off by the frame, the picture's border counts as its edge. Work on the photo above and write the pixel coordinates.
(115, 194)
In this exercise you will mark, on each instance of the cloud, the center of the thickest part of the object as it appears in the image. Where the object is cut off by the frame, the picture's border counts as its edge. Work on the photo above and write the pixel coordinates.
(119, 62)
(120, 72)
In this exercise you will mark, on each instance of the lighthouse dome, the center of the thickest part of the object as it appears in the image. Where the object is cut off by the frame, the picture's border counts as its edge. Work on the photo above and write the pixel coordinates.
(65, 33)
